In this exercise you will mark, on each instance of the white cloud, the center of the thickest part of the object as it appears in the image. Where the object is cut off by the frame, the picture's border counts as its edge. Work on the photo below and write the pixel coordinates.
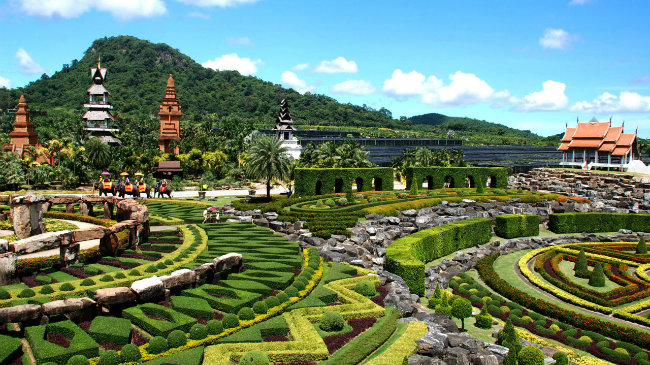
(198, 14)
(579, 2)
(337, 65)
(219, 3)
(27, 64)
(551, 97)
(300, 67)
(5, 82)
(121, 9)
(232, 61)
(241, 41)
(626, 102)
(354, 87)
(557, 39)
(402, 84)
(292, 80)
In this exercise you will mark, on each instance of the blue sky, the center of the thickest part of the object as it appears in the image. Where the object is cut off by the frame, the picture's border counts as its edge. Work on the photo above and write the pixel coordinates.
(530, 65)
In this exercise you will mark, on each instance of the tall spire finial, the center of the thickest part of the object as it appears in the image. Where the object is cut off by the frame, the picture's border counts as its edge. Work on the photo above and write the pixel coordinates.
(623, 126)
(99, 61)
(577, 121)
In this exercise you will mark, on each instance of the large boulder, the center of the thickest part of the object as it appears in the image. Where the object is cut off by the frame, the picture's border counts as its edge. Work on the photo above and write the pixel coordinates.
(20, 313)
(179, 279)
(68, 306)
(148, 289)
(120, 296)
(227, 261)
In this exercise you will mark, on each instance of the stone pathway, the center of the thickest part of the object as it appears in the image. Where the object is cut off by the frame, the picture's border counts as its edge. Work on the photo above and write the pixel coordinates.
(55, 251)
(161, 228)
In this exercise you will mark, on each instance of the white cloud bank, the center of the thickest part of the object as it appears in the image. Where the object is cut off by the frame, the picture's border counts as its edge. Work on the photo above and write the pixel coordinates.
(353, 87)
(558, 39)
(337, 65)
(121, 9)
(290, 79)
(219, 3)
(300, 67)
(26, 63)
(232, 61)
(626, 102)
(4, 82)
(550, 98)
(241, 41)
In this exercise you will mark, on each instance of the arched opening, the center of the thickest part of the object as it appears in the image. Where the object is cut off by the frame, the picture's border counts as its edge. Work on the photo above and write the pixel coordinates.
(338, 185)
(378, 184)
(469, 182)
(492, 181)
(359, 182)
(319, 187)
(429, 182)
(449, 182)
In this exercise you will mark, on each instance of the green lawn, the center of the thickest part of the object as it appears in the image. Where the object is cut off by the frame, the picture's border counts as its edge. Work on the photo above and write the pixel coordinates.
(566, 267)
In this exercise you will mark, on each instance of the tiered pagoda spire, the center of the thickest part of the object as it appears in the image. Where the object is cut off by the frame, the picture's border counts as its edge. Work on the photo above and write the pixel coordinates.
(284, 124)
(170, 118)
(23, 134)
(98, 118)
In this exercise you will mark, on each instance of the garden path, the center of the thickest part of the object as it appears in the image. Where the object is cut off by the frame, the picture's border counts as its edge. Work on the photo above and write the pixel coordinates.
(55, 251)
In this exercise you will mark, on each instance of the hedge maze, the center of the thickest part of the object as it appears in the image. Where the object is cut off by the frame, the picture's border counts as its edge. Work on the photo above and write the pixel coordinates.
(457, 177)
(313, 181)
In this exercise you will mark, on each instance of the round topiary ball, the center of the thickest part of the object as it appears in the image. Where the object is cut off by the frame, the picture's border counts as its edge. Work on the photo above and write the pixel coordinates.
(366, 287)
(343, 201)
(77, 360)
(198, 332)
(66, 287)
(272, 302)
(106, 278)
(109, 357)
(214, 327)
(560, 358)
(291, 291)
(87, 282)
(46, 289)
(134, 272)
(161, 265)
(282, 297)
(26, 293)
(246, 314)
(530, 355)
(230, 320)
(176, 338)
(151, 269)
(299, 284)
(260, 308)
(254, 357)
(331, 321)
(120, 275)
(4, 294)
(157, 345)
(130, 353)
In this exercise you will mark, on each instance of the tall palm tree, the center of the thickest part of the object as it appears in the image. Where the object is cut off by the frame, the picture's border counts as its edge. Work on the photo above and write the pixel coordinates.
(98, 154)
(267, 159)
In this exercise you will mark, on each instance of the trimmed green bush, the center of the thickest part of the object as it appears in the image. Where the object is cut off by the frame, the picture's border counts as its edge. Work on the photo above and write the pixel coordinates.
(176, 338)
(87, 282)
(365, 287)
(109, 357)
(80, 342)
(173, 319)
(484, 319)
(260, 308)
(43, 280)
(4, 294)
(151, 269)
(66, 287)
(598, 222)
(306, 179)
(561, 358)
(157, 345)
(198, 332)
(436, 176)
(46, 289)
(192, 306)
(134, 272)
(130, 353)
(343, 201)
(106, 278)
(641, 248)
(230, 320)
(282, 297)
(516, 225)
(119, 275)
(581, 268)
(110, 330)
(254, 357)
(77, 360)
(597, 277)
(272, 301)
(331, 321)
(26, 293)
(92, 271)
(246, 314)
(291, 291)
(461, 308)
(214, 327)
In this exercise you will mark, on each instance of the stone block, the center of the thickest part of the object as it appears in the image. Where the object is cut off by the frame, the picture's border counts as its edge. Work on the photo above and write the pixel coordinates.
(20, 313)
(227, 261)
(36, 243)
(120, 296)
(148, 289)
(7, 267)
(68, 306)
(179, 279)
(69, 254)
(87, 234)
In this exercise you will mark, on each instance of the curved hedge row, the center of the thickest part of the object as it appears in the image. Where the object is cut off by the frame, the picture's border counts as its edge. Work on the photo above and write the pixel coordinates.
(306, 180)
(436, 176)
(598, 222)
(516, 225)
(407, 256)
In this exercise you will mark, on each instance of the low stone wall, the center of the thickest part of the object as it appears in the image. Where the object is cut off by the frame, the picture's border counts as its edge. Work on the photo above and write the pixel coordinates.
(150, 289)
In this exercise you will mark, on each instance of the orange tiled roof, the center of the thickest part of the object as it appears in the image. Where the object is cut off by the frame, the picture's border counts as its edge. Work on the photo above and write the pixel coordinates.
(626, 139)
(591, 130)
(568, 134)
(620, 151)
(613, 134)
(585, 143)
(607, 146)
(564, 146)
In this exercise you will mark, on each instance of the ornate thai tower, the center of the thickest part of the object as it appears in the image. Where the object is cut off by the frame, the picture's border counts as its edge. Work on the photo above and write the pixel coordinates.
(98, 118)
(284, 130)
(170, 119)
(23, 134)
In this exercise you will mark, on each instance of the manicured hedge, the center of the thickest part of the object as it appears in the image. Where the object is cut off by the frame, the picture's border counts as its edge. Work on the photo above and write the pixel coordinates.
(44, 351)
(9, 348)
(407, 256)
(110, 330)
(306, 179)
(598, 222)
(516, 225)
(436, 176)
(173, 319)
(192, 306)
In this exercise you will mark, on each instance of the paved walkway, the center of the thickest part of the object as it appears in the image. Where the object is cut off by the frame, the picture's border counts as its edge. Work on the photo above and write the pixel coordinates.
(55, 251)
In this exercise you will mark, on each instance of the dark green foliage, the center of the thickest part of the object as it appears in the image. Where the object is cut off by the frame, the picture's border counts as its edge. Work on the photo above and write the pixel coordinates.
(260, 308)
(110, 330)
(134, 272)
(4, 294)
(406, 256)
(254, 357)
(66, 287)
(230, 320)
(193, 356)
(282, 297)
(78, 360)
(331, 321)
(516, 225)
(291, 291)
(106, 278)
(246, 314)
(641, 248)
(176, 338)
(581, 268)
(530, 355)
(272, 301)
(173, 319)
(299, 284)
(87, 282)
(43, 279)
(484, 319)
(161, 265)
(597, 277)
(151, 269)
(198, 332)
(92, 271)
(26, 293)
(80, 342)
(560, 358)
(461, 308)
(415, 185)
(46, 289)
(193, 307)
(157, 345)
(109, 357)
(9, 347)
(214, 327)
(130, 353)
(457, 175)
(306, 179)
(598, 222)
(365, 287)
(507, 334)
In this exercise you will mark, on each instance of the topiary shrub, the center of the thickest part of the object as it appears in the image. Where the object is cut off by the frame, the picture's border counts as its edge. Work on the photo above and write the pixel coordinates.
(109, 357)
(176, 338)
(130, 353)
(157, 345)
(461, 308)
(77, 360)
(561, 358)
(282, 297)
(134, 272)
(597, 277)
(581, 268)
(120, 275)
(343, 201)
(46, 289)
(168, 262)
(365, 287)
(271, 302)
(530, 355)
(66, 287)
(246, 314)
(299, 284)
(4, 294)
(151, 269)
(214, 327)
(554, 327)
(484, 319)
(106, 278)
(87, 282)
(260, 308)
(254, 357)
(331, 321)
(230, 320)
(641, 248)
(291, 291)
(26, 293)
(161, 265)
(198, 332)
(92, 271)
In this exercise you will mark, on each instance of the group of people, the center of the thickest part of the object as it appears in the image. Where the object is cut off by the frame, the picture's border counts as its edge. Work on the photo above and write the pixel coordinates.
(208, 218)
(105, 181)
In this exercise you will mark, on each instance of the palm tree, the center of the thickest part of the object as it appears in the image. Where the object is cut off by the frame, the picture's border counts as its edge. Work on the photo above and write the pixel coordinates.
(267, 159)
(98, 154)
